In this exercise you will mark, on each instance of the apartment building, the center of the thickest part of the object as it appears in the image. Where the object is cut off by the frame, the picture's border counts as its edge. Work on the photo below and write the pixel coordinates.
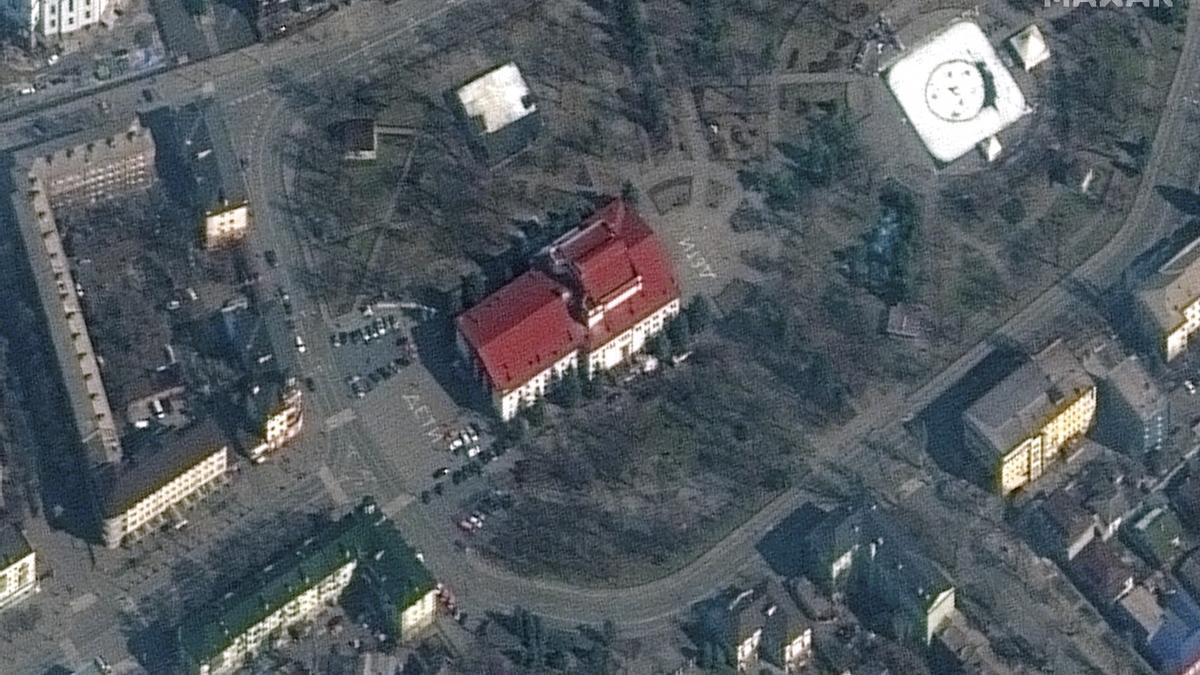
(596, 297)
(363, 547)
(218, 190)
(1133, 415)
(98, 170)
(18, 567)
(863, 551)
(918, 597)
(1018, 429)
(758, 628)
(830, 547)
(1168, 303)
(82, 168)
(173, 471)
(275, 415)
(42, 20)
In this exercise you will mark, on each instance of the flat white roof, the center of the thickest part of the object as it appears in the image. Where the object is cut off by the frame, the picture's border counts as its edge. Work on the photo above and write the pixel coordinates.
(955, 91)
(497, 98)
(1030, 46)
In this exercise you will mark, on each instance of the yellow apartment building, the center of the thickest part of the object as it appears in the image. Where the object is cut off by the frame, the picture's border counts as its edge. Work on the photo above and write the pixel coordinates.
(1020, 427)
(18, 567)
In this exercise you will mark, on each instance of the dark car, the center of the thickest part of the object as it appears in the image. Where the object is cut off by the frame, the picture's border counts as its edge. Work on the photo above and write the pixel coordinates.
(271, 259)
(310, 384)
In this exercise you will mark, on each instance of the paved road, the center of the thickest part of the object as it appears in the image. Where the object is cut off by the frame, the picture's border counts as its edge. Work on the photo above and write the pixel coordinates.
(249, 82)
(643, 608)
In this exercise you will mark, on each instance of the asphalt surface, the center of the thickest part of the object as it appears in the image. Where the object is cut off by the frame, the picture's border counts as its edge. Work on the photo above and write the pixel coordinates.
(253, 83)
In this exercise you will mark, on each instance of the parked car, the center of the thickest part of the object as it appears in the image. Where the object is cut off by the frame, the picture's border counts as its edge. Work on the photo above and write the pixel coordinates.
(310, 384)
(300, 345)
(270, 257)
(440, 472)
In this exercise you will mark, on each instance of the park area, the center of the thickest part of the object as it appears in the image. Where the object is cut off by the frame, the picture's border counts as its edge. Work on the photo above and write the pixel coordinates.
(791, 194)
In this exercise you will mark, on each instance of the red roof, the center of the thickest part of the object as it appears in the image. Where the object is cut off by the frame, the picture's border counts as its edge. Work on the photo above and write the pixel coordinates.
(613, 248)
(605, 271)
(527, 326)
(521, 329)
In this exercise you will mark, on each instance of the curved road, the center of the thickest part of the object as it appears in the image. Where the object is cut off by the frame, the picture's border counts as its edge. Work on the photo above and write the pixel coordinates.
(248, 81)
(645, 608)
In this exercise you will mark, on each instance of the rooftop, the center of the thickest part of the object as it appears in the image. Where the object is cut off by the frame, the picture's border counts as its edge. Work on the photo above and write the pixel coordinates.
(522, 329)
(13, 545)
(1030, 47)
(1136, 386)
(156, 457)
(612, 253)
(497, 98)
(216, 175)
(1101, 572)
(612, 263)
(1172, 288)
(357, 135)
(1023, 401)
(1064, 511)
(955, 91)
(364, 536)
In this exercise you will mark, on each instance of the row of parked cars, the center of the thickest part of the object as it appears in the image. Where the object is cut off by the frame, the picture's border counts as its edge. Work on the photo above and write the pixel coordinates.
(361, 385)
(473, 521)
(372, 330)
(465, 441)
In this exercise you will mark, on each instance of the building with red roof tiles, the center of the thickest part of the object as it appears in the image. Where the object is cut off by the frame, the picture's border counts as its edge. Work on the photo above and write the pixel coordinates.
(520, 338)
(608, 287)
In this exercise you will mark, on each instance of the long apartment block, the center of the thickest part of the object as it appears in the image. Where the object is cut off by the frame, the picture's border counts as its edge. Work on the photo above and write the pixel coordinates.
(61, 174)
(363, 548)
(1020, 427)
(147, 453)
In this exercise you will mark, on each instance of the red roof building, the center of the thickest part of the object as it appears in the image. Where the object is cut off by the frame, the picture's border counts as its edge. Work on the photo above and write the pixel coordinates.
(607, 287)
(521, 329)
(619, 269)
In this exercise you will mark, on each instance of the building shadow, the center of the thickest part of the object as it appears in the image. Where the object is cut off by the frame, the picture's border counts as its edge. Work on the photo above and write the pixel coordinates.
(435, 342)
(783, 546)
(940, 424)
(55, 451)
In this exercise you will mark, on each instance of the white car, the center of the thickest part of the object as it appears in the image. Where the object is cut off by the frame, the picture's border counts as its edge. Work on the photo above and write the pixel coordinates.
(1190, 386)
(300, 345)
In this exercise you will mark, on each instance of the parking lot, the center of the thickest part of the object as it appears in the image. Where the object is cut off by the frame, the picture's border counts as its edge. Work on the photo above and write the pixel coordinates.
(371, 353)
